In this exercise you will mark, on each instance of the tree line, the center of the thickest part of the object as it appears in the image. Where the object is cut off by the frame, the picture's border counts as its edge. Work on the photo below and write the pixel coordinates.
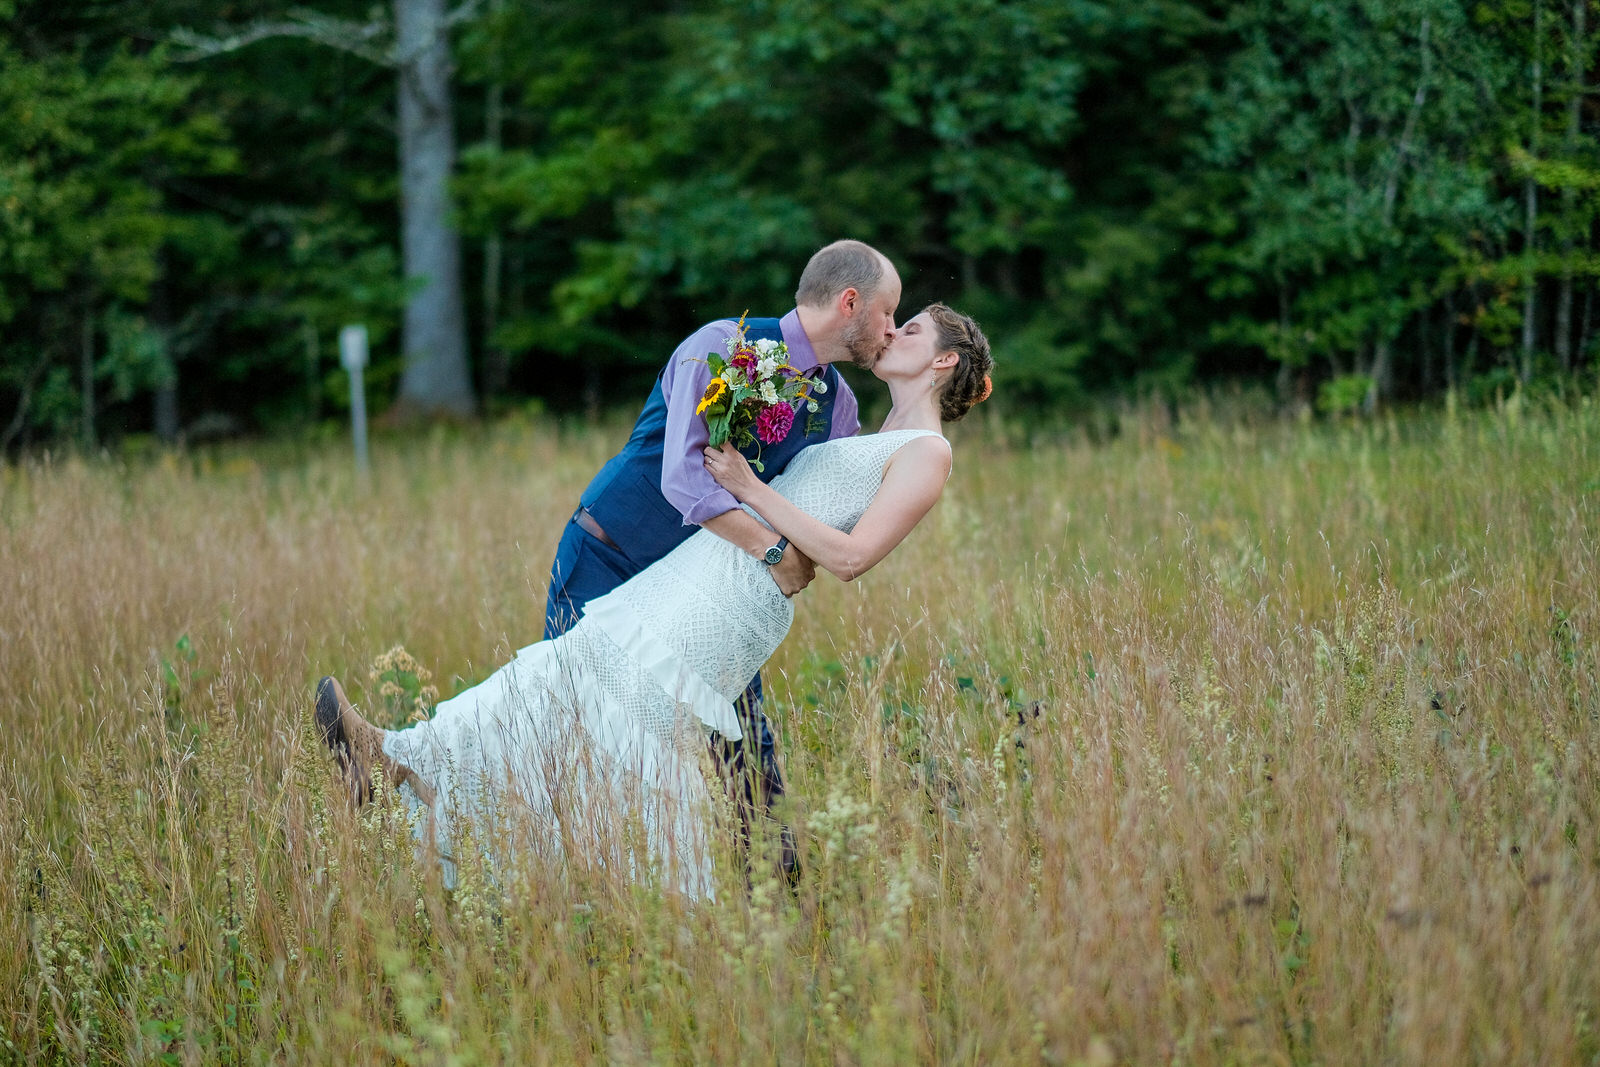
(1351, 202)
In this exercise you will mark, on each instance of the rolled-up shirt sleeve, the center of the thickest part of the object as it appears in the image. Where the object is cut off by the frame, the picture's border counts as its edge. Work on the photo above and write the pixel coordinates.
(684, 480)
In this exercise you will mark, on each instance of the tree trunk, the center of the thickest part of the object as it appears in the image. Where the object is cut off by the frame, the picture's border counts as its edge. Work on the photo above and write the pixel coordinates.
(1469, 362)
(1575, 71)
(1588, 323)
(19, 417)
(496, 369)
(313, 369)
(1530, 296)
(164, 410)
(1285, 377)
(86, 377)
(435, 379)
(1531, 199)
(1563, 326)
(1447, 347)
(164, 401)
(1379, 373)
(1424, 352)
(513, 289)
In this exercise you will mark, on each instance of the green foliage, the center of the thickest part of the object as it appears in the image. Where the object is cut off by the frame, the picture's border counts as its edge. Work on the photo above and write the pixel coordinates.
(1133, 197)
(87, 144)
(1355, 135)
(400, 684)
(1344, 394)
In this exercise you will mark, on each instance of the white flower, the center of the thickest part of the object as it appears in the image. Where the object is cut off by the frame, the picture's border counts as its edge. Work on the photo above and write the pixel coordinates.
(766, 366)
(819, 386)
(811, 405)
(769, 393)
(767, 346)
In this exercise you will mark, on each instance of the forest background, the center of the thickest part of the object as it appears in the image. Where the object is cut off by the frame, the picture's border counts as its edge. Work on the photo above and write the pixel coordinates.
(1345, 204)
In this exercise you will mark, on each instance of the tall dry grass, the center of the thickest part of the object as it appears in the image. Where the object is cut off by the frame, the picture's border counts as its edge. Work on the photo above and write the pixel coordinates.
(1313, 777)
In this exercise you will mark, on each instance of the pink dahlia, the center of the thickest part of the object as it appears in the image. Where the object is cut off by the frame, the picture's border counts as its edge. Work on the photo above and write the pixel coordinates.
(772, 425)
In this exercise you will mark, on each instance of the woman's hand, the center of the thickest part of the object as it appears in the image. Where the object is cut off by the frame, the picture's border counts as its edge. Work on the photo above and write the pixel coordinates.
(732, 471)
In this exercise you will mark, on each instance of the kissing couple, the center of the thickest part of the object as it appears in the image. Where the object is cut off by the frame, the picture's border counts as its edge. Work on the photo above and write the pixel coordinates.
(612, 740)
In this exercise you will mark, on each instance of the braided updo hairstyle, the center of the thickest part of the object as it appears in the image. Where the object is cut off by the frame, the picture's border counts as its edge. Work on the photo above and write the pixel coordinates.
(969, 381)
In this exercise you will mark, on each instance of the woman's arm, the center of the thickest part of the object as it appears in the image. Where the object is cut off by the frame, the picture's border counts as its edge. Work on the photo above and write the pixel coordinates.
(912, 481)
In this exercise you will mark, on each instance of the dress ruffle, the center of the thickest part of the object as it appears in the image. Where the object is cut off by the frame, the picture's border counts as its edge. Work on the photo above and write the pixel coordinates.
(662, 662)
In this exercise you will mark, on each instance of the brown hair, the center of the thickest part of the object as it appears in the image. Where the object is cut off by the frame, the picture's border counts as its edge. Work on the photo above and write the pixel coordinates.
(837, 267)
(969, 381)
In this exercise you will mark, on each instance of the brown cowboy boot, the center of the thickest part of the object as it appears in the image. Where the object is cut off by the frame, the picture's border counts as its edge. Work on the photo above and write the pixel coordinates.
(358, 745)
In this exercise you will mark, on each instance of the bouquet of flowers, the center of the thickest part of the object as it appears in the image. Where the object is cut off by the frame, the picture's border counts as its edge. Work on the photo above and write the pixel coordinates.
(754, 392)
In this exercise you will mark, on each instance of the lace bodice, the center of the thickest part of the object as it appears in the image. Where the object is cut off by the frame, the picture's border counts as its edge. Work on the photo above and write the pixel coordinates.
(836, 481)
(715, 607)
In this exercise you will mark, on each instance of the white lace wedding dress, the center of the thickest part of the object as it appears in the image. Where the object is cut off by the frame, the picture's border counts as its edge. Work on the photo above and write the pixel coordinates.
(590, 745)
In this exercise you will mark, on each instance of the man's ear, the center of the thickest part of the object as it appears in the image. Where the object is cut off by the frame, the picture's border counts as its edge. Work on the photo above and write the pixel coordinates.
(849, 301)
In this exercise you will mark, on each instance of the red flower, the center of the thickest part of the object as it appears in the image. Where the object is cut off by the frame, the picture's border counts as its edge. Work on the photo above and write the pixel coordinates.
(773, 424)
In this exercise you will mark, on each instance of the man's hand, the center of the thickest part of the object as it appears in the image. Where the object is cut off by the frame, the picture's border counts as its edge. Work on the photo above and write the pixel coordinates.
(794, 572)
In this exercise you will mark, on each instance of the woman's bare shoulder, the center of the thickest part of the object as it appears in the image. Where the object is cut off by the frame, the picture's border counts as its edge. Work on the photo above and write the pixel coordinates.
(929, 454)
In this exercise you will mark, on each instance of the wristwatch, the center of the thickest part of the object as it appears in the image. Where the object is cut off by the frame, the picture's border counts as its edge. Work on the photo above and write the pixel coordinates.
(774, 555)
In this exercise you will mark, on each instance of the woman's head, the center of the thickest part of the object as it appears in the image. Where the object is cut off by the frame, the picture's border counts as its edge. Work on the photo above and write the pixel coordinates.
(944, 350)
(967, 382)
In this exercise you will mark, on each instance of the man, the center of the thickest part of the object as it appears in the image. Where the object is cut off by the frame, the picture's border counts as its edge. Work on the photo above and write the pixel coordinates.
(655, 493)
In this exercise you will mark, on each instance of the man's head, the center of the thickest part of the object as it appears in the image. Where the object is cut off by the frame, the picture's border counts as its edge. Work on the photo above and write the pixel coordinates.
(847, 297)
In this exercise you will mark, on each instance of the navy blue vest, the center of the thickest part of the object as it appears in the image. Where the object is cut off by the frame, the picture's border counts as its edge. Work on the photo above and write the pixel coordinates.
(625, 497)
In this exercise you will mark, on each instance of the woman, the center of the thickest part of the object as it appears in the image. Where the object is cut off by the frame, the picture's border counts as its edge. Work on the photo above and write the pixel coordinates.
(590, 744)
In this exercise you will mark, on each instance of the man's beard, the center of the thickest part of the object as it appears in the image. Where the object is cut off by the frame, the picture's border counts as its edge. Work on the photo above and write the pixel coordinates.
(862, 348)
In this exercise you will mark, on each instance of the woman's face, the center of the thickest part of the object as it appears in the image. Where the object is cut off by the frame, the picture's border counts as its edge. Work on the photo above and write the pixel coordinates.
(911, 352)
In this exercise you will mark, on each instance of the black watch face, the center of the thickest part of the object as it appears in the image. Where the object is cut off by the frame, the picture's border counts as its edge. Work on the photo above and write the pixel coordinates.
(774, 556)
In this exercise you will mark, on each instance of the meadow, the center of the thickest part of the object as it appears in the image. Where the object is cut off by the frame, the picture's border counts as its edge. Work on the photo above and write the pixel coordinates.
(1220, 740)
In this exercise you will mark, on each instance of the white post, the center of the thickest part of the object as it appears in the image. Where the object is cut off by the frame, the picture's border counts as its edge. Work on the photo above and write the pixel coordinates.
(353, 354)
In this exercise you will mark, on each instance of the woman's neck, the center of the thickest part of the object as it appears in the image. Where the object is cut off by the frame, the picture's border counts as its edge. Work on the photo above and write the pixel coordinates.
(911, 410)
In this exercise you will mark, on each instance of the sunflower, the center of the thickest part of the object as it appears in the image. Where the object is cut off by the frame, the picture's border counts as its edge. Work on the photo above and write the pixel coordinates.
(713, 393)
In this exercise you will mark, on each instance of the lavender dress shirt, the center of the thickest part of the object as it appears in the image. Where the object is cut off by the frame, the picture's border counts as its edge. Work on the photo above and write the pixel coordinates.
(684, 480)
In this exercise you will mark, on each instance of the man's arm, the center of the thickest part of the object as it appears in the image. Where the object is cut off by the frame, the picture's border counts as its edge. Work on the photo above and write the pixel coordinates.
(796, 570)
(684, 481)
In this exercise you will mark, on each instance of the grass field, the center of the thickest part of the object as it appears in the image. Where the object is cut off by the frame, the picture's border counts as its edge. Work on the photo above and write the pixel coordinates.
(1316, 777)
